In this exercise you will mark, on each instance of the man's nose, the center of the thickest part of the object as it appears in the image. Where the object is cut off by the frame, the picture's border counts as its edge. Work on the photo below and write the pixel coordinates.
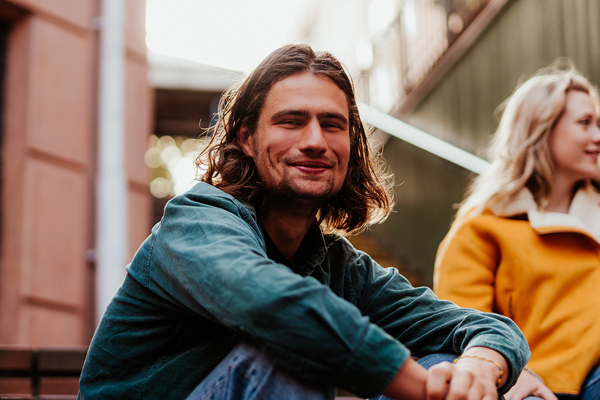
(313, 138)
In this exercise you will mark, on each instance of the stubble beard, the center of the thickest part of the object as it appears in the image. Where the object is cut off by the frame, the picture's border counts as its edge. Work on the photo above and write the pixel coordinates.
(290, 196)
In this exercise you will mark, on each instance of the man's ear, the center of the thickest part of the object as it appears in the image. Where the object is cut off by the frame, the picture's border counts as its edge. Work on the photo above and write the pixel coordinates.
(245, 139)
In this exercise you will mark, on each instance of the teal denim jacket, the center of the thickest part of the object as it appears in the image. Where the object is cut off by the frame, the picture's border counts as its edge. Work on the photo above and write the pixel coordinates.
(202, 281)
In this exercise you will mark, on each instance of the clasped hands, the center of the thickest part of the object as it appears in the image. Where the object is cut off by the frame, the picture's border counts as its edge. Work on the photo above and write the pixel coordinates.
(467, 379)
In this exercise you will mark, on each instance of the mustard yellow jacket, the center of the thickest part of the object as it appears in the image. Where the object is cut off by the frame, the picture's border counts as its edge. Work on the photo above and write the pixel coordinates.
(542, 270)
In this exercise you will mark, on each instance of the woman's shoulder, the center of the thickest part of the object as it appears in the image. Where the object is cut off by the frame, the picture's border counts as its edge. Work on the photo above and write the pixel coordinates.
(487, 224)
(488, 218)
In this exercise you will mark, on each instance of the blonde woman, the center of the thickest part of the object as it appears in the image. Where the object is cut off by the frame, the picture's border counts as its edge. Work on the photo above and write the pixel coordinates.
(526, 240)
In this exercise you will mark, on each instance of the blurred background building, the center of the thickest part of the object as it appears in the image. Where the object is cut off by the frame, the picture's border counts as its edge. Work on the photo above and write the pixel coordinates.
(441, 65)
(444, 66)
(50, 81)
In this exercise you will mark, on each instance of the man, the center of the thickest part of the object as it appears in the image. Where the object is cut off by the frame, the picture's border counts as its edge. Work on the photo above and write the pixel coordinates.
(243, 291)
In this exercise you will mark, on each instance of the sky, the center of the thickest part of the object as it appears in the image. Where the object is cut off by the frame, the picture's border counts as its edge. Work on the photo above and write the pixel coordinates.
(232, 34)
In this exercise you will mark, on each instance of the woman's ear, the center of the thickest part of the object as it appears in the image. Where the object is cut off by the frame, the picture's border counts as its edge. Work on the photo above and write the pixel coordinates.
(245, 140)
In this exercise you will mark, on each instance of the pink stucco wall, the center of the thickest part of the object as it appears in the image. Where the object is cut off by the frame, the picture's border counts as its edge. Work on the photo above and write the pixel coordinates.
(46, 282)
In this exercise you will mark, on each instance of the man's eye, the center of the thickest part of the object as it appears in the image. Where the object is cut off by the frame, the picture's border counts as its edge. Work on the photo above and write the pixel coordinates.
(331, 125)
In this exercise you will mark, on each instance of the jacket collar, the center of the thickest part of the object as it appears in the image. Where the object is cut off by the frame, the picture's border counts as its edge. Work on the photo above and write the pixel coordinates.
(583, 215)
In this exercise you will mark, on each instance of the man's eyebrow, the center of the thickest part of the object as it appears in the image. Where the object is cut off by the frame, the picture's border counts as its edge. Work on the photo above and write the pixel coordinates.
(291, 112)
(306, 114)
(332, 115)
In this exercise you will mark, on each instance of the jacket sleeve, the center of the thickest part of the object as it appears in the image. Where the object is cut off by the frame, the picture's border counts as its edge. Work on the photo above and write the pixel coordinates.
(465, 265)
(428, 325)
(208, 256)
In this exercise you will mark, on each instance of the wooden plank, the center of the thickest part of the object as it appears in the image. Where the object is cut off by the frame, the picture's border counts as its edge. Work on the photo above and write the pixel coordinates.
(61, 359)
(15, 387)
(15, 358)
(59, 386)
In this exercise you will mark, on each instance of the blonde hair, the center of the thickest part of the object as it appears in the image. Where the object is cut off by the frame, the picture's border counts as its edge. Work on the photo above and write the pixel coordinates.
(519, 152)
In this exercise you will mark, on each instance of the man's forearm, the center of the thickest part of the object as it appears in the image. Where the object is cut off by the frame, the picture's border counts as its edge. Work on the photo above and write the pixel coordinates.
(409, 383)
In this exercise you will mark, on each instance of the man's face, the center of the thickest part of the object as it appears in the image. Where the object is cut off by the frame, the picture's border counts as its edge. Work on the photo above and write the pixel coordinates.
(301, 145)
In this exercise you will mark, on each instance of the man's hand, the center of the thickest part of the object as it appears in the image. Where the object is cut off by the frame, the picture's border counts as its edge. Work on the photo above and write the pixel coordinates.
(468, 379)
(409, 384)
(529, 385)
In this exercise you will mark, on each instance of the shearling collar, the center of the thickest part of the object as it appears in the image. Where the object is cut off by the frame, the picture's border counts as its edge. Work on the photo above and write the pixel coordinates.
(583, 216)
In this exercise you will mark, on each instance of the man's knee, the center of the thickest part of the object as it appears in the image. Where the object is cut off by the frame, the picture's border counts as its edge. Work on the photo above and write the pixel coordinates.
(432, 359)
(246, 373)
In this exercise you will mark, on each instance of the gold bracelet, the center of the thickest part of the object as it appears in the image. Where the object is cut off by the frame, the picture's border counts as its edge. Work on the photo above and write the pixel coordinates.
(484, 359)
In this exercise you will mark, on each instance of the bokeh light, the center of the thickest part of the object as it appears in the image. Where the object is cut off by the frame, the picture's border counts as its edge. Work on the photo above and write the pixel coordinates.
(172, 162)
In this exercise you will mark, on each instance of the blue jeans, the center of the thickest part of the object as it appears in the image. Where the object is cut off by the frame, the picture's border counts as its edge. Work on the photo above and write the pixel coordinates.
(246, 374)
(591, 387)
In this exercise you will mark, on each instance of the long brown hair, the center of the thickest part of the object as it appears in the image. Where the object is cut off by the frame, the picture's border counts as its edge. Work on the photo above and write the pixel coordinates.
(365, 197)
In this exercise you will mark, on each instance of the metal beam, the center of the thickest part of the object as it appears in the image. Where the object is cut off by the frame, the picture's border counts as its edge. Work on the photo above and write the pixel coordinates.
(422, 140)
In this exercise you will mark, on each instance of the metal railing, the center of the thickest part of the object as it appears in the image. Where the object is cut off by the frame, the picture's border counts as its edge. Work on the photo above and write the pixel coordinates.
(421, 32)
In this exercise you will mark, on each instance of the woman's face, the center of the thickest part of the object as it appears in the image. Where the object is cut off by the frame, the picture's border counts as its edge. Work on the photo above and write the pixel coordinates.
(575, 140)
